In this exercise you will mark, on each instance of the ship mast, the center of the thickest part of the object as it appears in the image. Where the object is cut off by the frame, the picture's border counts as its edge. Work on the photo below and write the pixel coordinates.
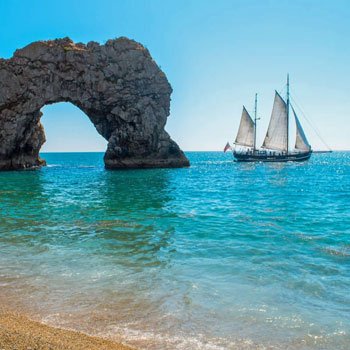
(255, 119)
(287, 113)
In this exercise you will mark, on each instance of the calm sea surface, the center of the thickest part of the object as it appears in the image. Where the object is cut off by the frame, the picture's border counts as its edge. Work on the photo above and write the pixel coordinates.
(218, 256)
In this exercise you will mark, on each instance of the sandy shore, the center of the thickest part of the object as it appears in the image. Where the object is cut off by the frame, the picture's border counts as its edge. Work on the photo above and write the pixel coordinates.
(17, 332)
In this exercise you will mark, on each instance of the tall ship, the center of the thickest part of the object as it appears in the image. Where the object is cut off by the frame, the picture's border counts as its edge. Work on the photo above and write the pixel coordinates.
(277, 144)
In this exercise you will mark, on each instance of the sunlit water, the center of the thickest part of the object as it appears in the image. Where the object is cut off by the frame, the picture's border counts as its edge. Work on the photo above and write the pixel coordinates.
(218, 256)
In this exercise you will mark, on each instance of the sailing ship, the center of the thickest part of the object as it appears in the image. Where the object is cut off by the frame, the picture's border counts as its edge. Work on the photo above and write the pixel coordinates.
(276, 145)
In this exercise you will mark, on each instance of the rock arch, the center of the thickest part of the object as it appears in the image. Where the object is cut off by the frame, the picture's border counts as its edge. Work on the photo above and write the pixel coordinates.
(117, 85)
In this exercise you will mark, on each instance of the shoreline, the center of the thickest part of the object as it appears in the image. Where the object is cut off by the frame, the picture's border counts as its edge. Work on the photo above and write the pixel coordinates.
(18, 331)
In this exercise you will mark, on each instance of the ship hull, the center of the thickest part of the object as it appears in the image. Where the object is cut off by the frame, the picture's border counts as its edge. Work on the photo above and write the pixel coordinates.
(272, 158)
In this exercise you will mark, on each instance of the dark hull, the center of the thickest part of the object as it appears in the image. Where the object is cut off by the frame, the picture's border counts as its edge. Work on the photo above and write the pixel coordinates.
(265, 157)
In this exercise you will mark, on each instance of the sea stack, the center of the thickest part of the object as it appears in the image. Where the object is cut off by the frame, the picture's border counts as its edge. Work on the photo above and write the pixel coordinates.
(117, 85)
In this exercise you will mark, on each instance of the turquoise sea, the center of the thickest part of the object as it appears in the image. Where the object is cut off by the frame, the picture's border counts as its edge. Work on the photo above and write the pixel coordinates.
(221, 255)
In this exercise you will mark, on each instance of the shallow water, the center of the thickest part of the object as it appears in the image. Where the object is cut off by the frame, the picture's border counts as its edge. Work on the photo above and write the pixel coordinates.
(218, 256)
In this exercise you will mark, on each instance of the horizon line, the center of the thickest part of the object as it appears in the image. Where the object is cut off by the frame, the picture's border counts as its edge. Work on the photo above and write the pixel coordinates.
(316, 150)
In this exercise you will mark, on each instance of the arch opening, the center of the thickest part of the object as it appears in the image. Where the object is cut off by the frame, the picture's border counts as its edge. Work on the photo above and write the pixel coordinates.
(68, 129)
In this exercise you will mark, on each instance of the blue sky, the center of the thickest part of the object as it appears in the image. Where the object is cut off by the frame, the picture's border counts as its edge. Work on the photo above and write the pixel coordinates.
(216, 55)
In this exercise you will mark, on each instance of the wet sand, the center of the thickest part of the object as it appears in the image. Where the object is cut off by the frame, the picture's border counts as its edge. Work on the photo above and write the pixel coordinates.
(20, 333)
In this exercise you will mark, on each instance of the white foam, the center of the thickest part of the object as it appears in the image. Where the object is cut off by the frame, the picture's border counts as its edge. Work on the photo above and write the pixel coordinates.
(149, 340)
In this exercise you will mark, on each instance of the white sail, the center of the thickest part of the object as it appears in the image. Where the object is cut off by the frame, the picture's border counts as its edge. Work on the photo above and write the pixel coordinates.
(277, 133)
(301, 142)
(245, 135)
